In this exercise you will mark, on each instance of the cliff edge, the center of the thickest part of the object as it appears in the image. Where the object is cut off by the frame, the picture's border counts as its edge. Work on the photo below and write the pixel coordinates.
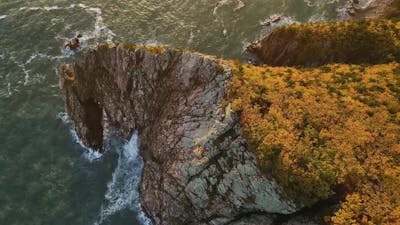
(197, 166)
(229, 143)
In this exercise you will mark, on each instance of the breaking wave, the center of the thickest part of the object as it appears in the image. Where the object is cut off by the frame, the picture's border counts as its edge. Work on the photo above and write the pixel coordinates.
(99, 27)
(313, 3)
(123, 190)
(88, 153)
(98, 33)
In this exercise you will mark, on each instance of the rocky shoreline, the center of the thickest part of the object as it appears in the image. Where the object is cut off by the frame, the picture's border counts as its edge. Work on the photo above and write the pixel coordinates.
(197, 167)
(353, 10)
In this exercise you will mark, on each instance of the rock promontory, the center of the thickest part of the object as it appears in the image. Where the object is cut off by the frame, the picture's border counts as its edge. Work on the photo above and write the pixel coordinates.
(299, 141)
(229, 143)
(198, 169)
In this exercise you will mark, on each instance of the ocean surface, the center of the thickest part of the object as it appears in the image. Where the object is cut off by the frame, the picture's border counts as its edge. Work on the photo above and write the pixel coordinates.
(46, 176)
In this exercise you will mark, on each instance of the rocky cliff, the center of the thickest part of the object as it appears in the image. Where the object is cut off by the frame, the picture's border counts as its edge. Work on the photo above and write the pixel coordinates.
(197, 167)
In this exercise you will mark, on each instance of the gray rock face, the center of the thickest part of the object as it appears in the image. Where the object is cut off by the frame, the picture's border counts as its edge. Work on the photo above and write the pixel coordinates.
(197, 167)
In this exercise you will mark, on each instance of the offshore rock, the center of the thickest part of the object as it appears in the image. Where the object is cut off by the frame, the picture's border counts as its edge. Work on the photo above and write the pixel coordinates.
(370, 10)
(197, 167)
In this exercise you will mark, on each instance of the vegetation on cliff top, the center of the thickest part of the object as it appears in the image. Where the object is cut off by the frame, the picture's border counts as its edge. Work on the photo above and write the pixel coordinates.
(315, 44)
(333, 130)
(155, 49)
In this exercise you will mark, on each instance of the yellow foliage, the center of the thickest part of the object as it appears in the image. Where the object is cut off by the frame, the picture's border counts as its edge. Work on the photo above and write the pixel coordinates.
(355, 42)
(153, 49)
(331, 128)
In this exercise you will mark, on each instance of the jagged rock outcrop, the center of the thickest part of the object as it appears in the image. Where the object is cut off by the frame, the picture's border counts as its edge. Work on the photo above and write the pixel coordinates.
(197, 167)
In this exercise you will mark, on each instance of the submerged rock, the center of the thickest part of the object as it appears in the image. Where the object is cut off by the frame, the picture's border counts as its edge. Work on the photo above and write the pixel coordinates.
(197, 167)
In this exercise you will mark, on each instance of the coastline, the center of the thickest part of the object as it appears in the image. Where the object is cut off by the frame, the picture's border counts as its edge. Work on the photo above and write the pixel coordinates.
(373, 9)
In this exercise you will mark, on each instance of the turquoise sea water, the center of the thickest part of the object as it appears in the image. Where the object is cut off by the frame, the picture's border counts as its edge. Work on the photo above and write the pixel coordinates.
(46, 177)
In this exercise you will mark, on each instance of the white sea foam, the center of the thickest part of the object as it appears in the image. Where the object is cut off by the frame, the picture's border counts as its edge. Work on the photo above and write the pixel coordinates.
(99, 26)
(41, 55)
(191, 37)
(318, 17)
(63, 116)
(3, 17)
(88, 153)
(23, 65)
(239, 5)
(343, 11)
(25, 71)
(9, 93)
(123, 190)
(283, 20)
(314, 3)
(96, 10)
(49, 8)
(99, 29)
(365, 3)
(219, 5)
(98, 33)
(29, 8)
(151, 42)
(82, 5)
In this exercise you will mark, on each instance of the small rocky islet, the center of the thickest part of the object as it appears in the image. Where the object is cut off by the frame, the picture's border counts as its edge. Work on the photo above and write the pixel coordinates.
(230, 143)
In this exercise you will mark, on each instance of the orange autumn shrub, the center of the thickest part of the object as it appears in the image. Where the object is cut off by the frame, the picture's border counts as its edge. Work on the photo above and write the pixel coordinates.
(318, 131)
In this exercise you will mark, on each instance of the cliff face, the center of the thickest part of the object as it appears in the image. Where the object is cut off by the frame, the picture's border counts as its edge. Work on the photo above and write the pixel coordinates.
(197, 167)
